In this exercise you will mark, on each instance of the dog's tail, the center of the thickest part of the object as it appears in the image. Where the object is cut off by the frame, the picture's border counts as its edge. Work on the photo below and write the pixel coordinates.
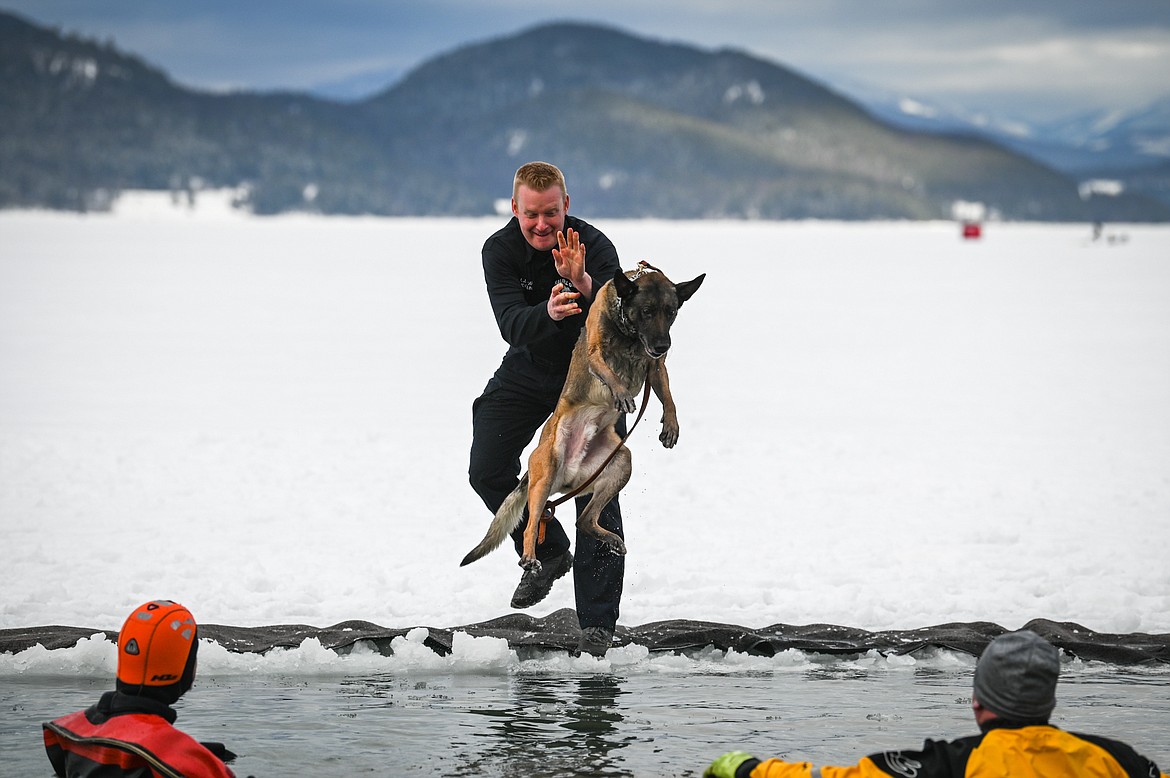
(507, 519)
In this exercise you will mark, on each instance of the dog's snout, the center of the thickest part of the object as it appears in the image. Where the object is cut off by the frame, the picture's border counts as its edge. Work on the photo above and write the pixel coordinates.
(658, 349)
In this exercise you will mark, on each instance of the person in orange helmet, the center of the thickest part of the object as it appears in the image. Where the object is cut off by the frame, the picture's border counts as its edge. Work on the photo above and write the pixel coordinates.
(130, 732)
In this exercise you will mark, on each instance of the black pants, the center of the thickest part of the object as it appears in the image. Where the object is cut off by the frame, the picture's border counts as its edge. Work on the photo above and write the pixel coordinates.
(514, 405)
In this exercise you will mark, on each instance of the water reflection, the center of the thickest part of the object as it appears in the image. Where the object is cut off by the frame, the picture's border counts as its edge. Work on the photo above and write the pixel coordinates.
(552, 726)
(634, 723)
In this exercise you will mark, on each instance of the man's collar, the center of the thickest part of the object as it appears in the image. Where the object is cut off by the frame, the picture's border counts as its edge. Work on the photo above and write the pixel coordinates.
(120, 703)
(998, 723)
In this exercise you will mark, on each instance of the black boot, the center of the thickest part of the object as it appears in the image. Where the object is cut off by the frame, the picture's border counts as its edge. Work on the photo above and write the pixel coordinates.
(595, 641)
(535, 586)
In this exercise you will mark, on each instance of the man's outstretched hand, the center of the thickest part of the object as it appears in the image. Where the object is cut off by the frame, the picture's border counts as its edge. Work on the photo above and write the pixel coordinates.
(569, 258)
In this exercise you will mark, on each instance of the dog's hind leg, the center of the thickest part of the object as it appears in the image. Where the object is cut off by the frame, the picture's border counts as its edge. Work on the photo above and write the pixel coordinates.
(606, 486)
(541, 475)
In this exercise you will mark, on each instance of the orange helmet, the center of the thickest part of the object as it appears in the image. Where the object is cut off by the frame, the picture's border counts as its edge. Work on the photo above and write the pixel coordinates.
(156, 651)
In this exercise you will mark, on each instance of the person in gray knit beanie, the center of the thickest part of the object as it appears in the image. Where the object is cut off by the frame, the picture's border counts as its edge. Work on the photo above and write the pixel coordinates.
(1014, 694)
(1015, 678)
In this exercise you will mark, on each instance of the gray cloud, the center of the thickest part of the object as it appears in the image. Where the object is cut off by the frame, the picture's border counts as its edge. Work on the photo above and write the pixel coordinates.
(1035, 59)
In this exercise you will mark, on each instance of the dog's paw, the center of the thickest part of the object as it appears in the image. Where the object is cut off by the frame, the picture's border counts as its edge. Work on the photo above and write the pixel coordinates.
(530, 564)
(625, 403)
(615, 545)
(668, 436)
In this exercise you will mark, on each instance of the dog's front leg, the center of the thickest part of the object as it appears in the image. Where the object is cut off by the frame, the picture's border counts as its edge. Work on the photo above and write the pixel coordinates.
(623, 398)
(660, 382)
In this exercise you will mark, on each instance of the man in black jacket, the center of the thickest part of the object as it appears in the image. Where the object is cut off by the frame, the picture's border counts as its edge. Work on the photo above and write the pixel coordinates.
(540, 283)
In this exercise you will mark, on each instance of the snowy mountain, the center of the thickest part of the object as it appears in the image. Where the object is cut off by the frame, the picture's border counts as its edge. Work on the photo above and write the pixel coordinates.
(643, 128)
(1117, 139)
(1131, 146)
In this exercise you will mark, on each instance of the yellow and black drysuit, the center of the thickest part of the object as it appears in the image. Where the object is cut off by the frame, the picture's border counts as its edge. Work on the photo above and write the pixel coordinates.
(1004, 749)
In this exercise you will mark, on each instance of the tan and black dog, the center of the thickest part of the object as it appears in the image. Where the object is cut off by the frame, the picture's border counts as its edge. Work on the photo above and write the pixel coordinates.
(623, 344)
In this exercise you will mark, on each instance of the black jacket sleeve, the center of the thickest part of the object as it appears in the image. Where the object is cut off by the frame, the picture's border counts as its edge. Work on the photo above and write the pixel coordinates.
(512, 293)
(520, 280)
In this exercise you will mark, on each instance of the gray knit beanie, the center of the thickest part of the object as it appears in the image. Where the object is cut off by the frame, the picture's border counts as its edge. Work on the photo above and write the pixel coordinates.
(1016, 677)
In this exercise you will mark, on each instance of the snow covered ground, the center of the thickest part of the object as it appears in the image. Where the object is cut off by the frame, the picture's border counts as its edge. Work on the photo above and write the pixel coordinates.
(883, 425)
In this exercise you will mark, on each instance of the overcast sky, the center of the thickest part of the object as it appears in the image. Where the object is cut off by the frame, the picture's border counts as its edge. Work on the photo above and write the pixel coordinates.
(1033, 59)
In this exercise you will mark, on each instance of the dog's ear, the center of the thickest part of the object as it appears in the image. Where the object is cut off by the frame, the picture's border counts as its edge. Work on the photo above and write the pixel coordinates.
(624, 286)
(688, 288)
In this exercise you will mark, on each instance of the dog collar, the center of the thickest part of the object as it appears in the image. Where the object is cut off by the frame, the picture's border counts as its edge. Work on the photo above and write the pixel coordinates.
(643, 267)
(623, 324)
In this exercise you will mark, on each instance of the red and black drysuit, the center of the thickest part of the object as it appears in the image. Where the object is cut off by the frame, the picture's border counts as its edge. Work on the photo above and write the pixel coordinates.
(131, 737)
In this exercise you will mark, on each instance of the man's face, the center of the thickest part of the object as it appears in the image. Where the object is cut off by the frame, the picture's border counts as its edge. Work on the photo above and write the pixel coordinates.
(541, 215)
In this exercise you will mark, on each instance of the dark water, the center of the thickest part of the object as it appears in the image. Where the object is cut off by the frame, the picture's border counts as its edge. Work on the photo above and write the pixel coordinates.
(644, 722)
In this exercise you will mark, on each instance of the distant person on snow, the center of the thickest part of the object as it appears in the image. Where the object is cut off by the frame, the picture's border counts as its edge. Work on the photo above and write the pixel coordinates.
(1015, 692)
(539, 294)
(129, 733)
